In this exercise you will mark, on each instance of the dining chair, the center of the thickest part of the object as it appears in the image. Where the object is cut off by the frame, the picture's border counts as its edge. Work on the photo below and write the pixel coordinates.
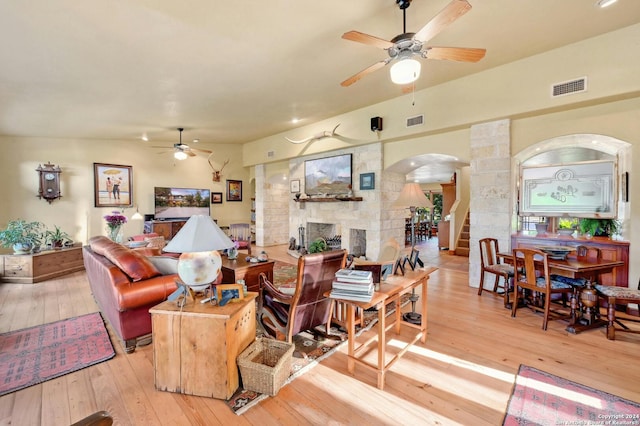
(240, 233)
(490, 263)
(533, 285)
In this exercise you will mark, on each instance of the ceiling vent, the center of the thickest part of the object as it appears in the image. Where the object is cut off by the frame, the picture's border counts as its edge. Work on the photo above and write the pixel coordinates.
(270, 154)
(418, 120)
(569, 87)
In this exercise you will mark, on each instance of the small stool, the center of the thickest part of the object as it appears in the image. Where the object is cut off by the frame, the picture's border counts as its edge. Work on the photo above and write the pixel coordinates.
(620, 295)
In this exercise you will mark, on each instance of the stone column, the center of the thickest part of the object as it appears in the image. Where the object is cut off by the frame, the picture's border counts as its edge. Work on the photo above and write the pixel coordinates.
(490, 181)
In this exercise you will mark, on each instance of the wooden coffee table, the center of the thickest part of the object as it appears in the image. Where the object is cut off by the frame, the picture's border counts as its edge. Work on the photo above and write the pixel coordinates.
(240, 269)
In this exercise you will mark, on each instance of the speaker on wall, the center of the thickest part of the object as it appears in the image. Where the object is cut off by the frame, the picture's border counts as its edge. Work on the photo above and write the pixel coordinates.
(376, 124)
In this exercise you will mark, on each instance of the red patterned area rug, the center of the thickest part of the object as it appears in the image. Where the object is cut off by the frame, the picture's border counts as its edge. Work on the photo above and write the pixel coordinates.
(37, 354)
(540, 398)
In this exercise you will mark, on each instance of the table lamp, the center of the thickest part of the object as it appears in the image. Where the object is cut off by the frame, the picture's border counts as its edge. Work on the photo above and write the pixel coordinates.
(198, 241)
(413, 197)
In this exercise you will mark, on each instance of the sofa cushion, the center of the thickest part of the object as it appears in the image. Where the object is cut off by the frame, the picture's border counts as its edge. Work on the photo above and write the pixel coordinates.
(131, 262)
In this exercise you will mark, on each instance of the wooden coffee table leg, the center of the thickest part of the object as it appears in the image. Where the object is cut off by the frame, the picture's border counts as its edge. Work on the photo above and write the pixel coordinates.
(382, 342)
(351, 333)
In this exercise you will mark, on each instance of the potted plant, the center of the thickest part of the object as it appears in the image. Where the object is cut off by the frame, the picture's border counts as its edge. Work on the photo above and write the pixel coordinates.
(598, 227)
(56, 238)
(21, 235)
(567, 226)
(318, 246)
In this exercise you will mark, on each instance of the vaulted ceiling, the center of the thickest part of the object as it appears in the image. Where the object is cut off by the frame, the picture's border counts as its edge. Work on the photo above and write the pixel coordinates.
(232, 72)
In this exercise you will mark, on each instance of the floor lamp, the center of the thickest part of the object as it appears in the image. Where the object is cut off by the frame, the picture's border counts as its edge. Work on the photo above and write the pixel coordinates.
(413, 197)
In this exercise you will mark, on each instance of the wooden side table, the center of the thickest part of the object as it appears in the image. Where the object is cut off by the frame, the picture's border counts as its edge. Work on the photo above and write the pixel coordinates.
(195, 348)
(240, 269)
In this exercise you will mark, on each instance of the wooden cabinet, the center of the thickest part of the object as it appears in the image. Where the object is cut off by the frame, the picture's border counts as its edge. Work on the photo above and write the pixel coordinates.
(37, 267)
(195, 347)
(611, 250)
(167, 228)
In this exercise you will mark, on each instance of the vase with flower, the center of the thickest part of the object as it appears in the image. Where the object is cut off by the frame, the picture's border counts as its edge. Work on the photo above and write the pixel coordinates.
(115, 220)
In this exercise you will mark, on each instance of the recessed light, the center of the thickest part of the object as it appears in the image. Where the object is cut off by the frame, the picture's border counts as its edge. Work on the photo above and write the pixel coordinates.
(295, 120)
(196, 140)
(144, 137)
(605, 3)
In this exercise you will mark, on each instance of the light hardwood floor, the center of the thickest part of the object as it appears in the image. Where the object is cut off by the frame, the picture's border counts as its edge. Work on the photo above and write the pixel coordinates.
(462, 375)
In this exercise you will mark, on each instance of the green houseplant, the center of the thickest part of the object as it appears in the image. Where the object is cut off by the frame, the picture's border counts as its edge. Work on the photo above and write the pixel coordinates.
(57, 238)
(318, 246)
(23, 236)
(599, 227)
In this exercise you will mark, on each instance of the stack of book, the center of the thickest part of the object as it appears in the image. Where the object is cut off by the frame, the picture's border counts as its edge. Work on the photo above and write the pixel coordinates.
(351, 284)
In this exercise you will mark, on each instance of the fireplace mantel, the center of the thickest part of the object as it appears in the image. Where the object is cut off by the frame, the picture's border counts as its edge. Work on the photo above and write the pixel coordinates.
(327, 200)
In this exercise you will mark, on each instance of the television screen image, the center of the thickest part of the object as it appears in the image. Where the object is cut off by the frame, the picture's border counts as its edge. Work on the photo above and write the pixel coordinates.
(331, 175)
(180, 203)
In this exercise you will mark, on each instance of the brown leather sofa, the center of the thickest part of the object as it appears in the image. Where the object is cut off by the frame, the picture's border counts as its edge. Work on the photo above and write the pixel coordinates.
(126, 284)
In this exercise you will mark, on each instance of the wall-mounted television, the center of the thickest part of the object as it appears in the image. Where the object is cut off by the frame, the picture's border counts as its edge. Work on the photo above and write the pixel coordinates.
(329, 175)
(180, 203)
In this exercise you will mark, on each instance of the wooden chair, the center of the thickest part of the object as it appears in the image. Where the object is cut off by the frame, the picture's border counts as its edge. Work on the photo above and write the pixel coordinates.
(240, 233)
(531, 275)
(490, 263)
(100, 418)
(616, 296)
(284, 315)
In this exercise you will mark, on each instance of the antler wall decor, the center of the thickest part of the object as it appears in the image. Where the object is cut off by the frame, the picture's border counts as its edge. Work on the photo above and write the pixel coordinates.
(318, 136)
(216, 174)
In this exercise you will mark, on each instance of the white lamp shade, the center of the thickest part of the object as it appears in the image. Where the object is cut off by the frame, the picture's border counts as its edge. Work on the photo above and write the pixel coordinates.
(405, 71)
(200, 233)
(412, 196)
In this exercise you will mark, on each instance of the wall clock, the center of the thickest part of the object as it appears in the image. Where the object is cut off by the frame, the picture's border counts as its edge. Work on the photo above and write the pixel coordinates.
(49, 182)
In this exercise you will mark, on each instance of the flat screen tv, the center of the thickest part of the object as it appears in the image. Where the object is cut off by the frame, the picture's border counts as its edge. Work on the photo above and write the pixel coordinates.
(180, 203)
(329, 175)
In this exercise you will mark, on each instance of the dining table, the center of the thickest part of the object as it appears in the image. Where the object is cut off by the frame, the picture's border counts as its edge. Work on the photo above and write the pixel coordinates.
(583, 297)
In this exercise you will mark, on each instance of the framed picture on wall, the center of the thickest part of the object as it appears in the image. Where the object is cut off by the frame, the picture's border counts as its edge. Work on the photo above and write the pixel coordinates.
(294, 185)
(216, 198)
(367, 181)
(234, 190)
(113, 185)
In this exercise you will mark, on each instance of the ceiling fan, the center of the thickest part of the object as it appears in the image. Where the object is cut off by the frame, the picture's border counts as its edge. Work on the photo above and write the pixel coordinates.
(182, 151)
(403, 49)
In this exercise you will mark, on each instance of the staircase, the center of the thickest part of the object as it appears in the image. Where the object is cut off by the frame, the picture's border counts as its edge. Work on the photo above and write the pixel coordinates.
(462, 248)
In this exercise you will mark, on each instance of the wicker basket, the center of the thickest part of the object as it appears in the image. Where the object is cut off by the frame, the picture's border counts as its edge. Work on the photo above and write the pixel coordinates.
(265, 365)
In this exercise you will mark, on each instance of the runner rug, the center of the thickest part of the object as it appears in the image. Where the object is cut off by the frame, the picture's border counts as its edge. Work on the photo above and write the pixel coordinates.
(37, 354)
(540, 398)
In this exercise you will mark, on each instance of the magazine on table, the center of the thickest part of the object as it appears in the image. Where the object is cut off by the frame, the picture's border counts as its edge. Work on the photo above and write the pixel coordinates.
(352, 286)
(354, 276)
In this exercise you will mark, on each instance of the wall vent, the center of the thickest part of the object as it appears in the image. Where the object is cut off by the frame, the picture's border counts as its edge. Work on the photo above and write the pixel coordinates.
(569, 87)
(418, 120)
(270, 154)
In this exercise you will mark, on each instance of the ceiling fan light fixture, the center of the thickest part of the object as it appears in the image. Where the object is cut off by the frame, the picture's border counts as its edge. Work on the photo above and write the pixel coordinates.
(179, 155)
(405, 71)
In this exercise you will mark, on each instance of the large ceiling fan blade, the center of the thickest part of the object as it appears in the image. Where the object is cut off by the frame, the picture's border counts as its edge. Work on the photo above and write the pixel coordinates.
(446, 16)
(367, 39)
(204, 151)
(358, 76)
(462, 54)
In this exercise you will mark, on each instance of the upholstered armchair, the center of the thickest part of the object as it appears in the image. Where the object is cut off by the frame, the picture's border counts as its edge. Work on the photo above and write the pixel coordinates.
(284, 315)
(240, 233)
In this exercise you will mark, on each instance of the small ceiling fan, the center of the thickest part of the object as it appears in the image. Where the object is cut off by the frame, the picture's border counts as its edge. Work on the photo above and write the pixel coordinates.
(182, 151)
(403, 49)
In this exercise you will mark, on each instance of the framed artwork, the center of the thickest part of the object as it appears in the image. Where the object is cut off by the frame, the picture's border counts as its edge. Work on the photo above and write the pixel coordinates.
(113, 185)
(216, 198)
(294, 185)
(229, 292)
(367, 181)
(234, 190)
